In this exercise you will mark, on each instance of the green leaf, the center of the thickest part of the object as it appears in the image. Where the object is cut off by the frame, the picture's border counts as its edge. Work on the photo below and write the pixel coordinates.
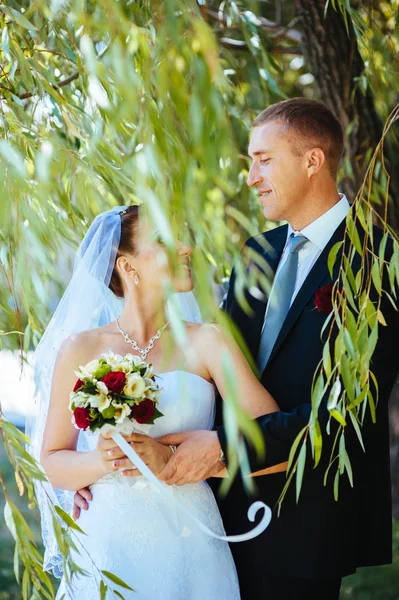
(382, 247)
(18, 18)
(327, 358)
(26, 585)
(9, 520)
(294, 448)
(372, 342)
(317, 393)
(372, 406)
(16, 562)
(359, 399)
(341, 454)
(336, 486)
(318, 443)
(26, 74)
(356, 427)
(116, 580)
(348, 468)
(354, 234)
(333, 256)
(338, 417)
(300, 470)
(334, 394)
(347, 378)
(59, 536)
(376, 276)
(5, 38)
(103, 590)
(67, 519)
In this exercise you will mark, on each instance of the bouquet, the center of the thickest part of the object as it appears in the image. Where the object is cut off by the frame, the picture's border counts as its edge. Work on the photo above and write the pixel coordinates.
(115, 393)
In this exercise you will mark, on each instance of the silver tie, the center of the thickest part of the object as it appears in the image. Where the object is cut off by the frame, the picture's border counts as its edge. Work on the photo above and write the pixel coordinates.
(280, 300)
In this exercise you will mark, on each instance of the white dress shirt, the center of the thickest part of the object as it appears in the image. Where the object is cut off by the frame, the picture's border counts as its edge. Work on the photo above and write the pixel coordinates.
(319, 234)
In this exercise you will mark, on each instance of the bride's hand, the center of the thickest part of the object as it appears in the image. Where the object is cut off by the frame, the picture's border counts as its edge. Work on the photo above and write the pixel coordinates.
(107, 451)
(154, 454)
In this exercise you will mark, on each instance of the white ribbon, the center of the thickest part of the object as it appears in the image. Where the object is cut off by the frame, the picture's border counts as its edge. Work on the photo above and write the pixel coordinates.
(167, 493)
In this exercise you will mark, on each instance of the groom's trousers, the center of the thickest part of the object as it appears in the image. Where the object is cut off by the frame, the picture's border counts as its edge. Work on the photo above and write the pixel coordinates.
(284, 588)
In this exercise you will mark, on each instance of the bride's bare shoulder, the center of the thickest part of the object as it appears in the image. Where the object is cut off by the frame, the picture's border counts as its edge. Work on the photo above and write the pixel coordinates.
(83, 345)
(205, 333)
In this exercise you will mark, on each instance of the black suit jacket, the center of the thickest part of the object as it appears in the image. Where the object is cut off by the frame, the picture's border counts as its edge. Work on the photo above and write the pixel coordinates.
(318, 538)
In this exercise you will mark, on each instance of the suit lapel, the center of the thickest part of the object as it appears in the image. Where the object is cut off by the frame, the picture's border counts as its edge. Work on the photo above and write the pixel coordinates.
(317, 274)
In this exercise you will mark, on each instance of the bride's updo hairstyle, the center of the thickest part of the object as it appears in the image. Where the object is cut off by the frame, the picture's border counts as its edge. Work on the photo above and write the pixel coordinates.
(129, 222)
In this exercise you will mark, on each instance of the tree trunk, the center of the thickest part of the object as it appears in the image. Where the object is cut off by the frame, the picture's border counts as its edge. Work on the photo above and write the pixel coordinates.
(334, 60)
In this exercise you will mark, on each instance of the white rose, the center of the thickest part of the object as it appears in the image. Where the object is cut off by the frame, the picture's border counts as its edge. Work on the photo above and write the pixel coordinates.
(134, 386)
(121, 411)
(88, 370)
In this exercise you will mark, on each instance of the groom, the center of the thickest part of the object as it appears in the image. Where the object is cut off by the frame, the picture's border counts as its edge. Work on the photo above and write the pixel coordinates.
(295, 151)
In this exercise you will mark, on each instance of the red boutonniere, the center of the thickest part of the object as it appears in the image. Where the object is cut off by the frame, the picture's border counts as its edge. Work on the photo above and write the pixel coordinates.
(323, 301)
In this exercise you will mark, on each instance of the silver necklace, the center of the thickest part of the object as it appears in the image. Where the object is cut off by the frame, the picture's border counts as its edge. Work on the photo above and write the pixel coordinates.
(142, 351)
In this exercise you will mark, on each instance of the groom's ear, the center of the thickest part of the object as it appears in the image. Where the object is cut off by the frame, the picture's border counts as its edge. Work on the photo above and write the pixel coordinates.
(315, 160)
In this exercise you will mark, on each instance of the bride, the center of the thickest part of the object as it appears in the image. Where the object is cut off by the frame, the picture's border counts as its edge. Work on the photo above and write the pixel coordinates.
(128, 530)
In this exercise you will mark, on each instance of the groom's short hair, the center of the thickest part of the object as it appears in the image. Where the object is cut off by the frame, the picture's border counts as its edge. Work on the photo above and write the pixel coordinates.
(312, 124)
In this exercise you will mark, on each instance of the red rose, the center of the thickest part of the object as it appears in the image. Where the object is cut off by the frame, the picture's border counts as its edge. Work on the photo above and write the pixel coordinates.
(324, 302)
(78, 385)
(82, 417)
(144, 411)
(115, 382)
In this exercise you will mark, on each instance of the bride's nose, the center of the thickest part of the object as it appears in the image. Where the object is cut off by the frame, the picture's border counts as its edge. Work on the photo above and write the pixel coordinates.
(183, 249)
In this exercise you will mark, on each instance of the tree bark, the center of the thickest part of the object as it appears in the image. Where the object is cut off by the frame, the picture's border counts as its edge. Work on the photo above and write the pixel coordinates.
(334, 60)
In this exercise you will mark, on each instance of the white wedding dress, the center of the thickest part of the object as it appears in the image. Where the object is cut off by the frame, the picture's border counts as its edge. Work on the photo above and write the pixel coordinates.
(132, 533)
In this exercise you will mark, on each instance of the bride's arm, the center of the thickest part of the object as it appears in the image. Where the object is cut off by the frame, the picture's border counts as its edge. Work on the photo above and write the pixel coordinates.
(252, 396)
(65, 467)
(214, 346)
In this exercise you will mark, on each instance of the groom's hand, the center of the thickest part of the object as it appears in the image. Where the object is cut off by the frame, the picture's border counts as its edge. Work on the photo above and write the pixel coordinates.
(196, 458)
(81, 502)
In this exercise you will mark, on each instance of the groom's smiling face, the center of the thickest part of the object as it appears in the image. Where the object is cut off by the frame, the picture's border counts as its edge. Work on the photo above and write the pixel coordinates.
(278, 171)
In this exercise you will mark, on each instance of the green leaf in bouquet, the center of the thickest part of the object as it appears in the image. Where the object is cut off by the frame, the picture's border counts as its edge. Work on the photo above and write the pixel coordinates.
(102, 370)
(89, 388)
(156, 415)
(109, 412)
(127, 398)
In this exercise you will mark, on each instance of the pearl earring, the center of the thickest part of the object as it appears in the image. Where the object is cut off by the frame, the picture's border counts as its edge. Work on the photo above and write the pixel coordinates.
(136, 279)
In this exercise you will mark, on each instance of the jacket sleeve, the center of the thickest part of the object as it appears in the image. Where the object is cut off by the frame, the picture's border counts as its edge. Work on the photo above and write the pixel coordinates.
(279, 430)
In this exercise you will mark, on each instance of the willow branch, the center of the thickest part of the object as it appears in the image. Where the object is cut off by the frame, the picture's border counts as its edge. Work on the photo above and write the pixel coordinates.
(61, 84)
(288, 33)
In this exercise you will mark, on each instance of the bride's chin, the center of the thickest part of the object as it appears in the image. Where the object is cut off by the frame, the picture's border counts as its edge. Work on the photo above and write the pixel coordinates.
(182, 285)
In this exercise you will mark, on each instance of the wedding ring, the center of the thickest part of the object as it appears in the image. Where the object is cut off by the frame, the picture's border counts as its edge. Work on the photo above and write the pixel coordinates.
(173, 448)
